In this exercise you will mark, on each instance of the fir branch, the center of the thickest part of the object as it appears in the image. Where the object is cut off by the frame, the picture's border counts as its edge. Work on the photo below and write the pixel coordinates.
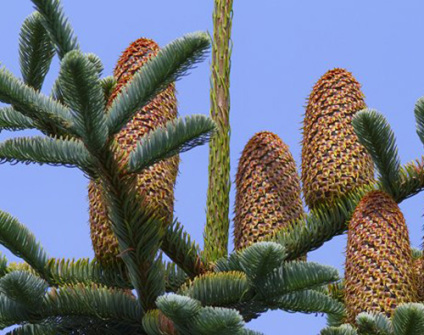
(76, 301)
(296, 276)
(260, 259)
(411, 180)
(175, 137)
(94, 301)
(97, 63)
(178, 308)
(336, 290)
(10, 119)
(171, 63)
(3, 265)
(58, 26)
(229, 263)
(175, 277)
(24, 288)
(12, 312)
(216, 320)
(179, 247)
(308, 301)
(83, 93)
(190, 318)
(45, 150)
(36, 51)
(49, 116)
(342, 330)
(56, 92)
(138, 230)
(377, 324)
(108, 84)
(419, 118)
(375, 134)
(408, 319)
(83, 271)
(224, 289)
(21, 242)
(77, 325)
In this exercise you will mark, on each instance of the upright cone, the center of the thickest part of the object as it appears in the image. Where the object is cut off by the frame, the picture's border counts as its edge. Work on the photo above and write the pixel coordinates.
(378, 273)
(268, 190)
(156, 184)
(333, 160)
(419, 275)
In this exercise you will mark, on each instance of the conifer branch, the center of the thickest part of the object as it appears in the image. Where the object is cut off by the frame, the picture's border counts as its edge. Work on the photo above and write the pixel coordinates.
(91, 303)
(175, 277)
(138, 231)
(374, 323)
(179, 247)
(411, 179)
(296, 276)
(308, 301)
(36, 51)
(3, 265)
(419, 118)
(58, 26)
(21, 242)
(10, 119)
(83, 271)
(45, 150)
(49, 116)
(190, 318)
(96, 62)
(12, 312)
(24, 288)
(375, 134)
(108, 85)
(83, 93)
(342, 330)
(177, 136)
(260, 259)
(408, 319)
(224, 289)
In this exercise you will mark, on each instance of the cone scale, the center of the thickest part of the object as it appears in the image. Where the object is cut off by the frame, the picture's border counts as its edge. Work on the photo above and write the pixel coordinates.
(333, 160)
(155, 184)
(268, 190)
(379, 268)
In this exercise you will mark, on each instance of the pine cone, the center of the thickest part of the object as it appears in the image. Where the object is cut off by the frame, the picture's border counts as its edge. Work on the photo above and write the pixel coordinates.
(333, 160)
(419, 275)
(378, 272)
(155, 184)
(268, 190)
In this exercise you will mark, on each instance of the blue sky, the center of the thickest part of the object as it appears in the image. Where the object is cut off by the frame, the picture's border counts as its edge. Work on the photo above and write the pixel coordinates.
(281, 48)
